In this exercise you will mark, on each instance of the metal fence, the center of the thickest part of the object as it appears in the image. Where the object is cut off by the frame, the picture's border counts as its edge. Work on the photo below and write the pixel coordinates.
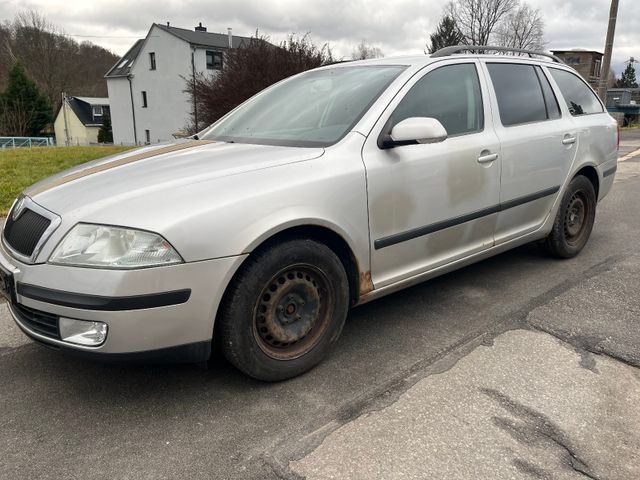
(18, 142)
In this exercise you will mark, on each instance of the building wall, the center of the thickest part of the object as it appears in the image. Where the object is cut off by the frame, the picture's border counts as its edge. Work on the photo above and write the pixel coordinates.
(120, 107)
(168, 110)
(78, 133)
(168, 107)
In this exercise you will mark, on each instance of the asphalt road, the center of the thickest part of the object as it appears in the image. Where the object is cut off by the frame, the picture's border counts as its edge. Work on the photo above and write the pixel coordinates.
(629, 141)
(65, 418)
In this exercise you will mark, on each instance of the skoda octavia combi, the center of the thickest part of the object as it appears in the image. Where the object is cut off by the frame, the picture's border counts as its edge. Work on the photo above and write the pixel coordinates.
(327, 190)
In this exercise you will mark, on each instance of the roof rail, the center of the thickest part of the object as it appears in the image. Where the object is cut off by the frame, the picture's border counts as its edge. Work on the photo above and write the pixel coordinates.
(447, 51)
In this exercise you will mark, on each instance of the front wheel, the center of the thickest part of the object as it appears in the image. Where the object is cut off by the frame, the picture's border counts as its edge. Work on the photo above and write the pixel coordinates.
(574, 220)
(283, 310)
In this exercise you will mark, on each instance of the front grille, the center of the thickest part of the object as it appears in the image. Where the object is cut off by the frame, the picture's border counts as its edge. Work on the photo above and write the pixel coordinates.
(25, 232)
(40, 322)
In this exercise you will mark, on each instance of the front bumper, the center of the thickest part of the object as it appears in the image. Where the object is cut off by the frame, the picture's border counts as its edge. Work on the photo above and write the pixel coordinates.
(154, 313)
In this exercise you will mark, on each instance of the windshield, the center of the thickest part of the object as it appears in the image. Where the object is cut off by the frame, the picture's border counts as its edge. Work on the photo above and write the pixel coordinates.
(314, 109)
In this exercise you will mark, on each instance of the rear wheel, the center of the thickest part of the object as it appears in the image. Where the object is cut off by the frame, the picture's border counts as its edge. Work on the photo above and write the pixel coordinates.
(283, 310)
(574, 221)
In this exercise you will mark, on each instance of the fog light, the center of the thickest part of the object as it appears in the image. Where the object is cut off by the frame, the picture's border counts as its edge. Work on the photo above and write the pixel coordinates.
(81, 332)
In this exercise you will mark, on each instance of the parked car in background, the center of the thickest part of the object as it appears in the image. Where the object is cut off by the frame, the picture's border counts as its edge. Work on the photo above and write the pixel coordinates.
(327, 190)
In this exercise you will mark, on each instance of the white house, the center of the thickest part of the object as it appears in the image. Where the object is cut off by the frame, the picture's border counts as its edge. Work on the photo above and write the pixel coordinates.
(147, 86)
(79, 120)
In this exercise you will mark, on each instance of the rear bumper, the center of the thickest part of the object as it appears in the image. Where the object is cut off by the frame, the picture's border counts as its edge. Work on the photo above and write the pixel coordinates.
(607, 174)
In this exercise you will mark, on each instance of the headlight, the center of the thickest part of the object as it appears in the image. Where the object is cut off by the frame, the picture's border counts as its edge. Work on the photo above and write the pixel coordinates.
(101, 246)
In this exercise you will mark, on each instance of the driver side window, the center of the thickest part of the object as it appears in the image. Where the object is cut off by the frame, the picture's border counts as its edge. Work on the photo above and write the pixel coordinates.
(450, 94)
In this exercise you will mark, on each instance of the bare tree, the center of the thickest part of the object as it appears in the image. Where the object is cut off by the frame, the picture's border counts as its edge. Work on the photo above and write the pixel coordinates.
(522, 28)
(14, 118)
(478, 19)
(363, 51)
(6, 57)
(41, 48)
(248, 69)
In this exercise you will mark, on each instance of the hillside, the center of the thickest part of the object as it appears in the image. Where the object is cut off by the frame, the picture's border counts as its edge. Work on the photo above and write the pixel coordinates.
(56, 62)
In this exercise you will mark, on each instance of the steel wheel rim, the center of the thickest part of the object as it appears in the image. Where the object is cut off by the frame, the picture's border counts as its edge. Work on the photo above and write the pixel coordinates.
(576, 216)
(293, 312)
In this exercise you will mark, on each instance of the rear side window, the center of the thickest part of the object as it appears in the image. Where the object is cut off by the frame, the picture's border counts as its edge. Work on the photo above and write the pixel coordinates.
(519, 91)
(450, 94)
(551, 102)
(580, 99)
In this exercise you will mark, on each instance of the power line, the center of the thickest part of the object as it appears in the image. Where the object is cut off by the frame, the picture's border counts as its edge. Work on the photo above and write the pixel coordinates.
(100, 36)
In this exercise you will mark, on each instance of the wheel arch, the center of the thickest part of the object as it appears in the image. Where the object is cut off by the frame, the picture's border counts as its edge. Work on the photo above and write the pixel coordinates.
(591, 173)
(336, 243)
(359, 281)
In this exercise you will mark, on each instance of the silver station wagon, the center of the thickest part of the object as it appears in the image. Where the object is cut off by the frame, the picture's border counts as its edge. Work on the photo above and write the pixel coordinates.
(327, 190)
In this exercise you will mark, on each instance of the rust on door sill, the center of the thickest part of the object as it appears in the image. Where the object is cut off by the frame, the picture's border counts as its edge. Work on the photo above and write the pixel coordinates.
(366, 284)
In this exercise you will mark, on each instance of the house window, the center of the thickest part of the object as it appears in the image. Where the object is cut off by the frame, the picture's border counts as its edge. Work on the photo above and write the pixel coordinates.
(214, 60)
(147, 136)
(144, 99)
(152, 60)
(573, 61)
(597, 67)
(97, 111)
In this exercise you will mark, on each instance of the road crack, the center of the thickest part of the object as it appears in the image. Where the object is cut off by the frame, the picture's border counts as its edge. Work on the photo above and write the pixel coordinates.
(590, 344)
(533, 428)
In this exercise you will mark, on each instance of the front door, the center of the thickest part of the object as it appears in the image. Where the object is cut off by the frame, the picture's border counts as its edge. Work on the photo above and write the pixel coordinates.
(430, 204)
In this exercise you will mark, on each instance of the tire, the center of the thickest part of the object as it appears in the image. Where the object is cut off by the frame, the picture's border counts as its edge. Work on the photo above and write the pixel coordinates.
(283, 310)
(574, 221)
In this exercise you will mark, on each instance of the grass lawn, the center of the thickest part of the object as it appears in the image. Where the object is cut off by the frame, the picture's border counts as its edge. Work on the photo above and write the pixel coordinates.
(21, 167)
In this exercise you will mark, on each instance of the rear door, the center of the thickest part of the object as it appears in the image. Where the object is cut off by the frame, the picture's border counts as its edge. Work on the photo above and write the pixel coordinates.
(538, 145)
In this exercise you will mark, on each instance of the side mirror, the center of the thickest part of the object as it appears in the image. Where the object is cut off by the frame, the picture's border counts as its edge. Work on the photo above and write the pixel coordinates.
(416, 130)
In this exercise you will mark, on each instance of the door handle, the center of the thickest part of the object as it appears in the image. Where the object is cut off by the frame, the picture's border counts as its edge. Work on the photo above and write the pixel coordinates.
(486, 157)
(569, 140)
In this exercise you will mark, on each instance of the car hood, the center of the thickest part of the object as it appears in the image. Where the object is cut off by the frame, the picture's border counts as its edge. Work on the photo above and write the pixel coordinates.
(150, 171)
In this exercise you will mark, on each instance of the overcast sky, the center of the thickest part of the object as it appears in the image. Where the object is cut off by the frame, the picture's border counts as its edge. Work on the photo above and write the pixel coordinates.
(396, 26)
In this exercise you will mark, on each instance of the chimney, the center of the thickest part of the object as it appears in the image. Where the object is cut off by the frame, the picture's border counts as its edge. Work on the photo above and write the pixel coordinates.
(230, 37)
(168, 24)
(200, 28)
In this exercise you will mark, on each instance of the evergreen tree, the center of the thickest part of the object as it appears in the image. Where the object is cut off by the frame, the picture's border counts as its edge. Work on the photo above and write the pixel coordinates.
(105, 134)
(25, 110)
(447, 35)
(628, 78)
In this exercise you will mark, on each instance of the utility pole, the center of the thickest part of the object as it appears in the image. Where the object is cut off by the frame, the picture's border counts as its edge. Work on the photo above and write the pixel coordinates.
(64, 114)
(608, 50)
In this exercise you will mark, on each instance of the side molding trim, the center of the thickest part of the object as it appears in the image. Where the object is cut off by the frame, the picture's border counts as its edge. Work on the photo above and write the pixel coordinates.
(611, 171)
(452, 222)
